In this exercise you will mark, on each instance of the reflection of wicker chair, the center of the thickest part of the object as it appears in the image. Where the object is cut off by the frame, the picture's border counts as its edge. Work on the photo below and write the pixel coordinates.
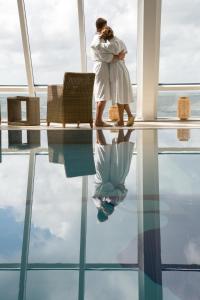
(72, 102)
(73, 149)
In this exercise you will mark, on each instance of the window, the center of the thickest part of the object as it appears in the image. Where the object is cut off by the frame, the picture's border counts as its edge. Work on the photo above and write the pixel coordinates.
(54, 39)
(180, 56)
(12, 70)
(122, 17)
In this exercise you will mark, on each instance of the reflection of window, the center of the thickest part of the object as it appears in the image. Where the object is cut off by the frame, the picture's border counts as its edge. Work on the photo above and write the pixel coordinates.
(54, 39)
(56, 212)
(180, 56)
(9, 284)
(111, 285)
(122, 17)
(12, 205)
(11, 55)
(179, 195)
(55, 284)
(181, 285)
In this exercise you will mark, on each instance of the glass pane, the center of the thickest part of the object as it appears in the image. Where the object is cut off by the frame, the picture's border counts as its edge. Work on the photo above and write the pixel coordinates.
(11, 56)
(59, 285)
(55, 231)
(181, 285)
(13, 175)
(119, 15)
(179, 195)
(54, 39)
(168, 103)
(111, 285)
(180, 57)
(112, 228)
(9, 285)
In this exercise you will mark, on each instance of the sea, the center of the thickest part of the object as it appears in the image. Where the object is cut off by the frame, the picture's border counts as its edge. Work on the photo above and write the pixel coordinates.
(166, 104)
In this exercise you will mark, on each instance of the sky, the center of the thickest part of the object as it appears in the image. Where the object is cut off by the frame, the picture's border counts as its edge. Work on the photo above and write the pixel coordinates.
(54, 38)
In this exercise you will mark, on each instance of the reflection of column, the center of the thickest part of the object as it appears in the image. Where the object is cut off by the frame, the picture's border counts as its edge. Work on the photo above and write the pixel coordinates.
(83, 238)
(27, 228)
(149, 245)
(0, 148)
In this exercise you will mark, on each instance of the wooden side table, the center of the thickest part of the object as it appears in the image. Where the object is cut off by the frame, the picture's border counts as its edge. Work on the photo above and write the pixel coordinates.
(32, 110)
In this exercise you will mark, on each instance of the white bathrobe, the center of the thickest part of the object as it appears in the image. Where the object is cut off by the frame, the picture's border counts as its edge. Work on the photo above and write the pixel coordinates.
(112, 167)
(101, 69)
(120, 84)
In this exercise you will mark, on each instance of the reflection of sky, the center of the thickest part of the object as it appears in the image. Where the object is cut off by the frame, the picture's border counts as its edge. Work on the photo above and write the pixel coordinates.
(9, 285)
(55, 231)
(10, 236)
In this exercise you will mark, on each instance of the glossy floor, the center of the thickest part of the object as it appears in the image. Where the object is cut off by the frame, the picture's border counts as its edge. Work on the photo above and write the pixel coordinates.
(100, 214)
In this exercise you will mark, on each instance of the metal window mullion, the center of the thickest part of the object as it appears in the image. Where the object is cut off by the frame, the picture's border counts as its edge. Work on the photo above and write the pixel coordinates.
(82, 36)
(26, 46)
(27, 227)
(83, 238)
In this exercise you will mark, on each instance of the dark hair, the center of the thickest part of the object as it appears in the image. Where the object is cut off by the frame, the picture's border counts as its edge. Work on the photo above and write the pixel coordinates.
(107, 33)
(100, 23)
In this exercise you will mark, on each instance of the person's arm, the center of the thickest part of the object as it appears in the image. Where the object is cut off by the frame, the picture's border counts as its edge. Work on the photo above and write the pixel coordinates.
(103, 56)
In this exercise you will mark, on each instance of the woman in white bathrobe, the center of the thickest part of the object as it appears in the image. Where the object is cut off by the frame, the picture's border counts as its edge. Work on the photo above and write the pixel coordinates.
(112, 166)
(120, 83)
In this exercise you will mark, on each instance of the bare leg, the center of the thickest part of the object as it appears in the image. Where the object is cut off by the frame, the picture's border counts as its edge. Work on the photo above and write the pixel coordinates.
(128, 134)
(130, 116)
(121, 114)
(128, 111)
(100, 137)
(99, 113)
(120, 137)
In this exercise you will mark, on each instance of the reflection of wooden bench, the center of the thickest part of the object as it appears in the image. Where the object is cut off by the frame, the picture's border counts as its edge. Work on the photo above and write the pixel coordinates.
(72, 101)
(32, 139)
(15, 111)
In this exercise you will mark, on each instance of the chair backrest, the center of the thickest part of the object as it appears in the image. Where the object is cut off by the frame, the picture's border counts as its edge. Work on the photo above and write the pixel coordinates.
(55, 104)
(77, 96)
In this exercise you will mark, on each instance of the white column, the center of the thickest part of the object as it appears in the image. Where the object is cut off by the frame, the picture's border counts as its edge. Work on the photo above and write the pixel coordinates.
(82, 37)
(26, 47)
(149, 21)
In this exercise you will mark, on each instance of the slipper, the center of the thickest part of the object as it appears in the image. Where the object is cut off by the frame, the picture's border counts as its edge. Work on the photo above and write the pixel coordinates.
(130, 121)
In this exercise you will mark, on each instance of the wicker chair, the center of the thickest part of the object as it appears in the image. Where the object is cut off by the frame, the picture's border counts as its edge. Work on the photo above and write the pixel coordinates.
(72, 102)
(73, 149)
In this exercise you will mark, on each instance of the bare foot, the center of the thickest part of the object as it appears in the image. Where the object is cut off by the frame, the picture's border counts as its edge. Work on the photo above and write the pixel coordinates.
(120, 124)
(102, 124)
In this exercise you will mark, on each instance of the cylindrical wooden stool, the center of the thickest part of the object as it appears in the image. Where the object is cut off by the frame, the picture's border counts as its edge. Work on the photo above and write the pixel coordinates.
(184, 109)
(113, 113)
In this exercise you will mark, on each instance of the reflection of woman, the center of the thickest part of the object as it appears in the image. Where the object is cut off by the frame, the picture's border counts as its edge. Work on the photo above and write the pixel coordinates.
(120, 83)
(112, 166)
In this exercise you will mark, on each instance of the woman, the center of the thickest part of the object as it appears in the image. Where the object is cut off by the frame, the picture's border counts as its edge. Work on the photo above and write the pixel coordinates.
(120, 84)
(112, 167)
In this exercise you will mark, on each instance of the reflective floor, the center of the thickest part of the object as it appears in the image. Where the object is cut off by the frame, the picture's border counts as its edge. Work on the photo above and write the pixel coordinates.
(103, 214)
